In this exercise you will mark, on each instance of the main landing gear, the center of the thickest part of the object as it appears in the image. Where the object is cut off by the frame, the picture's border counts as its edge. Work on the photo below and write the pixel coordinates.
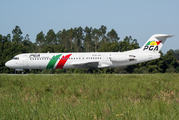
(89, 71)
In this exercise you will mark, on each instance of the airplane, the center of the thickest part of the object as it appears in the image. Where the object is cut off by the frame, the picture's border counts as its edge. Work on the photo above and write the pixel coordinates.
(89, 60)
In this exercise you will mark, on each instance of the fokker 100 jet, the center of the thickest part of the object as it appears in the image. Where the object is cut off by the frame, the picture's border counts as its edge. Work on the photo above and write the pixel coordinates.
(89, 60)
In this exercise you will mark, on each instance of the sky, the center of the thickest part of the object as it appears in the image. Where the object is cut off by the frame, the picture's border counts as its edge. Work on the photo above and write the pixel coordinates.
(137, 18)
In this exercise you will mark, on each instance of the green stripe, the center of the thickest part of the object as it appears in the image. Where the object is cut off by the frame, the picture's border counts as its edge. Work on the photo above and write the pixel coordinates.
(53, 61)
(148, 43)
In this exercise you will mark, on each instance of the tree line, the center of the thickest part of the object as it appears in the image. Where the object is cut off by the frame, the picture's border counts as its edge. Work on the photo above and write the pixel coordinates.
(80, 39)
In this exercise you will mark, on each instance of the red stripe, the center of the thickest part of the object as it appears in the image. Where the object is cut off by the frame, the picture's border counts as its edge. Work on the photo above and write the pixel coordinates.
(158, 42)
(62, 61)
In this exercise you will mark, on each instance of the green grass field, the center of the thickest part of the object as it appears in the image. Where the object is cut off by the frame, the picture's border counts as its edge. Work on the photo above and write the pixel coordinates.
(82, 96)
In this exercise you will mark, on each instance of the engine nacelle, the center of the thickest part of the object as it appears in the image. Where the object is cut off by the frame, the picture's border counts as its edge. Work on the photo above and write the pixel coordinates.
(122, 58)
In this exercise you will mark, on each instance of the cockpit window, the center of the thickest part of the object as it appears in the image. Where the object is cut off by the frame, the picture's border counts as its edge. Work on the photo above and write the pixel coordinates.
(15, 58)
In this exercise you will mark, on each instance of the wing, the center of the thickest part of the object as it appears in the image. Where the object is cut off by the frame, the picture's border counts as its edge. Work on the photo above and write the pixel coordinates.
(86, 64)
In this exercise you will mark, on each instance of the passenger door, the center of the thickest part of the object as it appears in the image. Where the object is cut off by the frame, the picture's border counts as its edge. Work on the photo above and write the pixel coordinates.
(25, 61)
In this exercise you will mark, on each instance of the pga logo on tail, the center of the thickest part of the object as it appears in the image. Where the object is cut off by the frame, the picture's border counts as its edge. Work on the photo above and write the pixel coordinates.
(152, 45)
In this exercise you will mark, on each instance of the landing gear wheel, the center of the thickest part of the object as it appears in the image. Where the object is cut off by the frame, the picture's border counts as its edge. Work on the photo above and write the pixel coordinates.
(89, 71)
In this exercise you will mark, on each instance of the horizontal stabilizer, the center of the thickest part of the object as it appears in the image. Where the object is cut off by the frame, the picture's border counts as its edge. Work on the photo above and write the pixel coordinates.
(166, 36)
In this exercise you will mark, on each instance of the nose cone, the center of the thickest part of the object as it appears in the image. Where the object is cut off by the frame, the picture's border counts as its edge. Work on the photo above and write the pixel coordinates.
(8, 64)
(13, 64)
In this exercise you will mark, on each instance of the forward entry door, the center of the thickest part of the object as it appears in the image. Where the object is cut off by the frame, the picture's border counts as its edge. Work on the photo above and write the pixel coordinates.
(25, 61)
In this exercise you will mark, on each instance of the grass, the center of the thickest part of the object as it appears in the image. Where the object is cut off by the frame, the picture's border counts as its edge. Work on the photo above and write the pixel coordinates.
(153, 96)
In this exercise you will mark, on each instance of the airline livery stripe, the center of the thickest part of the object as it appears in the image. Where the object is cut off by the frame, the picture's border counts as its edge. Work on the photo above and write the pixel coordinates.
(62, 61)
(153, 42)
(53, 61)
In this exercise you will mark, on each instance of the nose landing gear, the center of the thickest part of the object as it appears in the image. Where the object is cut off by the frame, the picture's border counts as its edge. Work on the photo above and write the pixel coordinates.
(19, 70)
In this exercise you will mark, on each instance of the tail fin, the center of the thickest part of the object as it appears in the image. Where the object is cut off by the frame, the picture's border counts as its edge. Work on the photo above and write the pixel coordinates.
(155, 43)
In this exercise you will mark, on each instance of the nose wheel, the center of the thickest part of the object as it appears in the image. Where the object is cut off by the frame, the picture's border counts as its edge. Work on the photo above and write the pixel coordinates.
(19, 70)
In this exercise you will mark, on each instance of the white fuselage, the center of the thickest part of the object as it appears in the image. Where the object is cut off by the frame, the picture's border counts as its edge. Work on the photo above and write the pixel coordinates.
(79, 60)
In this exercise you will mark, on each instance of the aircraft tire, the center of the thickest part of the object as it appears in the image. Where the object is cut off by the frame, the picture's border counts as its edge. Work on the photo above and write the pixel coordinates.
(89, 71)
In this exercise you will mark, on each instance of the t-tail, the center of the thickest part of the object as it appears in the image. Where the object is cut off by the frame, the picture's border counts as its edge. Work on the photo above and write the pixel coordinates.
(155, 43)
